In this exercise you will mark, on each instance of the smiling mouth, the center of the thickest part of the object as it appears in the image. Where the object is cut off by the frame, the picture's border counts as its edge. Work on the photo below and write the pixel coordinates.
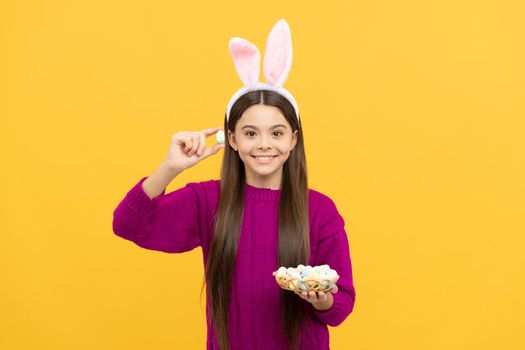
(264, 159)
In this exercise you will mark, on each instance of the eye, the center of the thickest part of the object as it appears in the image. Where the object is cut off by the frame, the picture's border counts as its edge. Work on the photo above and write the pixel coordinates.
(279, 133)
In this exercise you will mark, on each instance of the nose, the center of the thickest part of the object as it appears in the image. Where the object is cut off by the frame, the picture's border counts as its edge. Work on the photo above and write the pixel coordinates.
(264, 144)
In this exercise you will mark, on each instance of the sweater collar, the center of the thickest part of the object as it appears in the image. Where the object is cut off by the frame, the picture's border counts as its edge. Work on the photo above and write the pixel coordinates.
(262, 193)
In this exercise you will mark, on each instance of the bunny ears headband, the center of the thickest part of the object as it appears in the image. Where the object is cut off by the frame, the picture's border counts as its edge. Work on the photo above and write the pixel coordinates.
(277, 64)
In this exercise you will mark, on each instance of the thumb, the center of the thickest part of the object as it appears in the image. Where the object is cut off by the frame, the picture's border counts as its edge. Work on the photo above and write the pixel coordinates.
(211, 150)
(217, 147)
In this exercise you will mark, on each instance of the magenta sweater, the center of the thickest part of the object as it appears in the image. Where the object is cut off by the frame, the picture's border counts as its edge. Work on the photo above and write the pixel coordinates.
(183, 220)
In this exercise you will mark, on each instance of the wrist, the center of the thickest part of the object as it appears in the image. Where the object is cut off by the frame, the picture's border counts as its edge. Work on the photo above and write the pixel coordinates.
(168, 170)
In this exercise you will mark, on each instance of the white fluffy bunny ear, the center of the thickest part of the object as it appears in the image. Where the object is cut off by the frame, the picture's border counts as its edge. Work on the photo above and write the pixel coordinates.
(278, 54)
(247, 60)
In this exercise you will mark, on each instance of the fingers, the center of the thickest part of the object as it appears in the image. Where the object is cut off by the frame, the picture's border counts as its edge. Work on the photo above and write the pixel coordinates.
(322, 296)
(188, 143)
(202, 144)
(199, 145)
(208, 151)
(212, 150)
(217, 147)
(211, 131)
(313, 297)
(194, 144)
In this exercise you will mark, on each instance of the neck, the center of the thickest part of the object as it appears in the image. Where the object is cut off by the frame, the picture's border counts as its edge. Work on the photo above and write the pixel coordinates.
(269, 182)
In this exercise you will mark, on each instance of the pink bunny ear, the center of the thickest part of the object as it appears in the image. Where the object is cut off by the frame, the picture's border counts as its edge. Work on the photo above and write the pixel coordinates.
(246, 58)
(278, 54)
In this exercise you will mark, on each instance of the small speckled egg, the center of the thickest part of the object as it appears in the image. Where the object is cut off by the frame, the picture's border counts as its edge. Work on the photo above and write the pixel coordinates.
(220, 136)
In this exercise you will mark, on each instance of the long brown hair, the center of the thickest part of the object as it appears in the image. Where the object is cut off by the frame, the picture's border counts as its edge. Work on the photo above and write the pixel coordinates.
(294, 237)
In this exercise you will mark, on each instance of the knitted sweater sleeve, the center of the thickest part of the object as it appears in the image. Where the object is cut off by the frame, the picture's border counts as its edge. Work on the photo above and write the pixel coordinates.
(333, 249)
(168, 222)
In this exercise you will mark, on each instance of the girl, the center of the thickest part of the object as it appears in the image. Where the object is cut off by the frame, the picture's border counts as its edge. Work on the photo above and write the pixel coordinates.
(261, 215)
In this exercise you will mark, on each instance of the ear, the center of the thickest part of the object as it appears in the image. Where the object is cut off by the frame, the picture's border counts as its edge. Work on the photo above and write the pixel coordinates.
(231, 140)
(278, 54)
(295, 137)
(246, 58)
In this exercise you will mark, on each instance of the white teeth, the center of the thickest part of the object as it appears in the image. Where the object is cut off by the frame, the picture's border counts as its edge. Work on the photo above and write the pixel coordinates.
(264, 158)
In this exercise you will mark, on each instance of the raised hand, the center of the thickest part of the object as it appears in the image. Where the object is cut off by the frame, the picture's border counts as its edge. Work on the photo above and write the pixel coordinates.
(189, 147)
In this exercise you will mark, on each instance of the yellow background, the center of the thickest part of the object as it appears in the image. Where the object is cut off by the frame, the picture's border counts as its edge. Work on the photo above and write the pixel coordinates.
(413, 113)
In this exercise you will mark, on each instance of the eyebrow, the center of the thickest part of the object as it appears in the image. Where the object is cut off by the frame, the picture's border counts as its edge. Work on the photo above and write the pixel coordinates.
(254, 127)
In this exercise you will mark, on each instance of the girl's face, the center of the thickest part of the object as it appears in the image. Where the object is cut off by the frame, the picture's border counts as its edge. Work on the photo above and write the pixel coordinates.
(263, 131)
